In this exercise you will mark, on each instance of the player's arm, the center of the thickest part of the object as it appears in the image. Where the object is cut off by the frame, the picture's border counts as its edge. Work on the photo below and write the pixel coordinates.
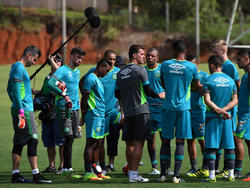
(84, 104)
(149, 92)
(81, 82)
(16, 93)
(145, 82)
(197, 86)
(16, 98)
(59, 88)
(162, 82)
(232, 103)
(222, 113)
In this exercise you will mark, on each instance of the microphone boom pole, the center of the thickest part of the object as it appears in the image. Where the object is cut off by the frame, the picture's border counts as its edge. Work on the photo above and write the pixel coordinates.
(92, 18)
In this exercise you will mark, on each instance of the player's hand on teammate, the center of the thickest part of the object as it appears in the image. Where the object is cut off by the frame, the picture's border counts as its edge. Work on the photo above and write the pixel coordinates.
(21, 123)
(162, 95)
(68, 103)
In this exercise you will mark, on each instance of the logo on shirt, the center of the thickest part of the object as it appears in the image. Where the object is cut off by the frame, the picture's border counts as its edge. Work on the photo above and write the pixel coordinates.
(125, 73)
(221, 81)
(157, 74)
(114, 76)
(177, 68)
(70, 74)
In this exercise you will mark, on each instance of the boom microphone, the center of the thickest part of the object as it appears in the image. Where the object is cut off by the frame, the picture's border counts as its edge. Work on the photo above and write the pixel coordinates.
(92, 16)
(94, 21)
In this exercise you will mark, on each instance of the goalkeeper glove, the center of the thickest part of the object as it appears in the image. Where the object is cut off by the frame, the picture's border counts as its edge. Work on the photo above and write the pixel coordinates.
(21, 117)
(68, 103)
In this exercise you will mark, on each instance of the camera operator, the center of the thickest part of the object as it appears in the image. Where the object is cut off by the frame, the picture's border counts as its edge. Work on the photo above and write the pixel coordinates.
(45, 100)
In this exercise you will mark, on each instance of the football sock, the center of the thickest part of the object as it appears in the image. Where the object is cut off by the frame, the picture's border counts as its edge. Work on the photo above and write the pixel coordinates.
(217, 161)
(230, 158)
(35, 171)
(87, 167)
(179, 155)
(165, 157)
(193, 163)
(67, 152)
(15, 171)
(238, 164)
(211, 156)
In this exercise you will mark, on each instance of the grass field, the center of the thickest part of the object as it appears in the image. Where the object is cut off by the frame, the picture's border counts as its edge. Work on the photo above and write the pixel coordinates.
(118, 179)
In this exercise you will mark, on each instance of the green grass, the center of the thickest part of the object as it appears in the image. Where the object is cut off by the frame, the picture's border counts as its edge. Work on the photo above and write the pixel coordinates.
(118, 179)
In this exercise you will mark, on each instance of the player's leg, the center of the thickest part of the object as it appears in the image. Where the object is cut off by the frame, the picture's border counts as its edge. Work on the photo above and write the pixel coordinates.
(183, 131)
(49, 142)
(90, 147)
(167, 133)
(19, 137)
(152, 154)
(32, 149)
(227, 142)
(213, 133)
(136, 131)
(192, 152)
(239, 155)
(116, 121)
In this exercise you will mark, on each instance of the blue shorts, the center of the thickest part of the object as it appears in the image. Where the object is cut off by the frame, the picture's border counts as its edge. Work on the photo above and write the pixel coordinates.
(219, 134)
(156, 118)
(94, 126)
(198, 123)
(50, 133)
(243, 130)
(111, 118)
(176, 123)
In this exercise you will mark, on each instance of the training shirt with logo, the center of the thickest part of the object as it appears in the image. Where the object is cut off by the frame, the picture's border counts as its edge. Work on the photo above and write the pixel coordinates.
(130, 82)
(96, 97)
(154, 77)
(221, 87)
(18, 73)
(244, 99)
(71, 78)
(177, 76)
(229, 68)
(197, 102)
(109, 82)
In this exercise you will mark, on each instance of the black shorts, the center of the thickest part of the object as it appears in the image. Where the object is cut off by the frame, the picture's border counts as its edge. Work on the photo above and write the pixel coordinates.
(22, 136)
(137, 128)
(68, 123)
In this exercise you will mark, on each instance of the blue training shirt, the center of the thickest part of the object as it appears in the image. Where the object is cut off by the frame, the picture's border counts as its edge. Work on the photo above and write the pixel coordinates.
(229, 68)
(154, 77)
(244, 99)
(221, 88)
(177, 76)
(109, 82)
(96, 101)
(197, 102)
(24, 100)
(71, 78)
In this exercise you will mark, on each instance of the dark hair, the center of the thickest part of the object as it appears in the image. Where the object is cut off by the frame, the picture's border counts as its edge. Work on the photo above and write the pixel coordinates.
(119, 62)
(179, 46)
(107, 53)
(133, 49)
(104, 63)
(78, 50)
(217, 61)
(191, 57)
(153, 49)
(33, 50)
(243, 52)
